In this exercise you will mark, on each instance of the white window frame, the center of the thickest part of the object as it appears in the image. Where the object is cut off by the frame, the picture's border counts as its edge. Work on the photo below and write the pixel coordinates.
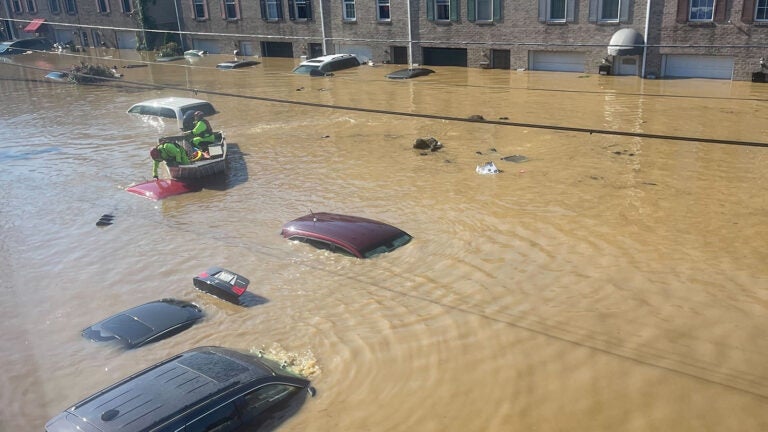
(348, 10)
(126, 6)
(17, 6)
(761, 10)
(488, 4)
(600, 15)
(442, 10)
(301, 10)
(383, 10)
(273, 10)
(70, 6)
(231, 5)
(54, 6)
(32, 6)
(200, 5)
(102, 6)
(550, 7)
(701, 16)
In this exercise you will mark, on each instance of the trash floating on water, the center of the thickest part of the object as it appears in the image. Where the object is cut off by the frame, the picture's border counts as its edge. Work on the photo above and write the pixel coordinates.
(515, 158)
(105, 220)
(487, 168)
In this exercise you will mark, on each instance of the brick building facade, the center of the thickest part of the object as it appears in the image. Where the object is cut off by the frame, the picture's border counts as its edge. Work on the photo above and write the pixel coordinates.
(648, 38)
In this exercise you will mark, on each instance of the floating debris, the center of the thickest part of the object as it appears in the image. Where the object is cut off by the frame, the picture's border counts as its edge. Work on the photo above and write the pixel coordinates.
(105, 220)
(515, 158)
(487, 168)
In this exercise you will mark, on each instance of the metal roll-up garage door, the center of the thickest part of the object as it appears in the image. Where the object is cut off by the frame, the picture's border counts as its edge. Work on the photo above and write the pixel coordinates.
(557, 61)
(693, 66)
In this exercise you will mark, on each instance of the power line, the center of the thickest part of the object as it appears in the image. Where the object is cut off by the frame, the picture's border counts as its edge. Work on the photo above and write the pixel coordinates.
(506, 123)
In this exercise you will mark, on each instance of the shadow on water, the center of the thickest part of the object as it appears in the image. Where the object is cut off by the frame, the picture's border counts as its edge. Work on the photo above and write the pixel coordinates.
(249, 299)
(236, 173)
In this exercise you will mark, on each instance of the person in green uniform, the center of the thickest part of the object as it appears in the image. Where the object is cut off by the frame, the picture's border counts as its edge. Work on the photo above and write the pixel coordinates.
(202, 133)
(170, 152)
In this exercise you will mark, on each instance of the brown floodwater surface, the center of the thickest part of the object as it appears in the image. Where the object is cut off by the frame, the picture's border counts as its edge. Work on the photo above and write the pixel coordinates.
(615, 280)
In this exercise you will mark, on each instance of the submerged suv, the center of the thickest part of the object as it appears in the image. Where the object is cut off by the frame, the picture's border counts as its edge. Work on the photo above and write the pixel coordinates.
(23, 45)
(327, 64)
(204, 389)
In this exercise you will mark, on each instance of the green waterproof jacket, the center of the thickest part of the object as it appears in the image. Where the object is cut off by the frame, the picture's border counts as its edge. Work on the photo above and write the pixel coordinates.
(170, 153)
(203, 131)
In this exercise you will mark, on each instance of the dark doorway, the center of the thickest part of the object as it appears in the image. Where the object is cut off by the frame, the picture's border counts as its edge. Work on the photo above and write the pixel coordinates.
(277, 49)
(445, 57)
(399, 55)
(315, 50)
(500, 59)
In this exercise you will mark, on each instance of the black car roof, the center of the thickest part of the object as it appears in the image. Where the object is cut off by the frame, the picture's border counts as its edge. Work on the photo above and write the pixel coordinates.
(159, 393)
(136, 325)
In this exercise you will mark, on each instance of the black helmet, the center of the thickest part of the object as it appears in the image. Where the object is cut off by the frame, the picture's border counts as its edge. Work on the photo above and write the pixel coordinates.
(199, 114)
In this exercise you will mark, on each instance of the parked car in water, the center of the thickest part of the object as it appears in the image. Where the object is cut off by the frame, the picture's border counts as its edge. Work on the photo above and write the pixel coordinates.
(350, 235)
(409, 73)
(178, 108)
(21, 46)
(326, 64)
(236, 64)
(222, 283)
(203, 389)
(145, 324)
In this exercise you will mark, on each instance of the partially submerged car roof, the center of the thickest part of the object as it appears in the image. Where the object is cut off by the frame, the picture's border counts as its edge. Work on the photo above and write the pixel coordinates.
(355, 235)
(146, 323)
(409, 73)
(172, 107)
(156, 396)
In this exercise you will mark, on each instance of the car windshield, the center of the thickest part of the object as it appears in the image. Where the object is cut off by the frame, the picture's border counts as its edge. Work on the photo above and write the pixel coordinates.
(394, 244)
(305, 69)
(126, 327)
(4, 46)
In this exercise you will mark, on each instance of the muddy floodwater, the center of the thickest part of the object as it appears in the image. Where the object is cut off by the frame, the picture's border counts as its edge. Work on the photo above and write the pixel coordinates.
(611, 281)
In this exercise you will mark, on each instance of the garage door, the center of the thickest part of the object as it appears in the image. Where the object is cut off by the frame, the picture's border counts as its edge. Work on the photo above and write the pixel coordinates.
(126, 39)
(362, 52)
(557, 61)
(210, 45)
(692, 66)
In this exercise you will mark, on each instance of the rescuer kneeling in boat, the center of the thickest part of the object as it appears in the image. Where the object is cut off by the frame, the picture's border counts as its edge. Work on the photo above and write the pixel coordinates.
(170, 152)
(202, 133)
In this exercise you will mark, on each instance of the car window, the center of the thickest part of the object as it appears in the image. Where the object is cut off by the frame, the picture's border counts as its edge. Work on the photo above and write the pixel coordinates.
(323, 245)
(206, 108)
(153, 110)
(258, 405)
(222, 419)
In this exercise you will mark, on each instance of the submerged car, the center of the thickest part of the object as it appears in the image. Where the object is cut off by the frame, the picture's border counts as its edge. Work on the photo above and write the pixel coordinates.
(178, 108)
(145, 324)
(350, 235)
(326, 64)
(23, 45)
(409, 73)
(236, 64)
(203, 389)
(222, 283)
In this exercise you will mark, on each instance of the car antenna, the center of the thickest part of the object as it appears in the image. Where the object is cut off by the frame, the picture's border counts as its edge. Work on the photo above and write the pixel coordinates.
(314, 218)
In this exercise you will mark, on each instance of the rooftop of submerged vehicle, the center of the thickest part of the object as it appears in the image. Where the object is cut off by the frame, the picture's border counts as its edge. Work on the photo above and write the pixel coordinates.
(326, 64)
(146, 323)
(172, 108)
(206, 388)
(352, 235)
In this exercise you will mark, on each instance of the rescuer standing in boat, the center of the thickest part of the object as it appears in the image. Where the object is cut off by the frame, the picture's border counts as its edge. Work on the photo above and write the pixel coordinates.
(202, 133)
(170, 152)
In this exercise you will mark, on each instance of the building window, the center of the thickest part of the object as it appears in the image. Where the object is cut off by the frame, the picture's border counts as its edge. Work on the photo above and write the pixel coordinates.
(54, 6)
(102, 6)
(443, 10)
(382, 10)
(273, 7)
(609, 10)
(230, 10)
(349, 10)
(484, 10)
(761, 10)
(70, 6)
(31, 6)
(200, 9)
(702, 10)
(300, 9)
(17, 7)
(126, 6)
(557, 10)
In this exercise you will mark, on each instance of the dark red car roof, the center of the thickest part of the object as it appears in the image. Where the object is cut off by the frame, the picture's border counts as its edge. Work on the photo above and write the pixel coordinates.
(360, 236)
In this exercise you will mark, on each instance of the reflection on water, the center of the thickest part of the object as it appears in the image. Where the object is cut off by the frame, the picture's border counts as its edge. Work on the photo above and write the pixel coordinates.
(606, 282)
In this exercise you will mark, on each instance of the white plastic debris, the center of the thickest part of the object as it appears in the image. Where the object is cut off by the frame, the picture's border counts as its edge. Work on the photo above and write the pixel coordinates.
(487, 168)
